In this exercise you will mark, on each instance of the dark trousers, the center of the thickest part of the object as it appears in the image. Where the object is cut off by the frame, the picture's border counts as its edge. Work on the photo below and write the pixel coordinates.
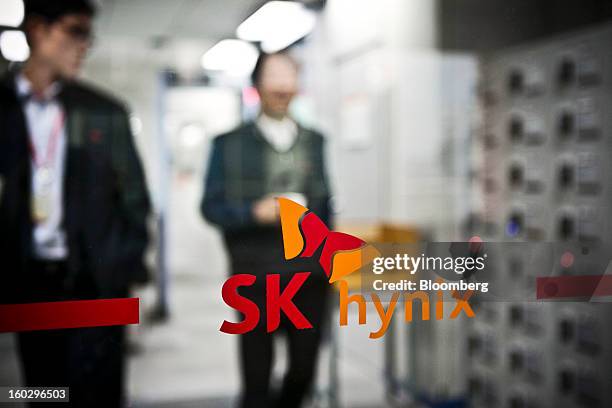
(90, 361)
(257, 347)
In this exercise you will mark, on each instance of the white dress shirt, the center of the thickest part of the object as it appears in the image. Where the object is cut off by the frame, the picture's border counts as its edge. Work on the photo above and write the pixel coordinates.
(281, 134)
(45, 122)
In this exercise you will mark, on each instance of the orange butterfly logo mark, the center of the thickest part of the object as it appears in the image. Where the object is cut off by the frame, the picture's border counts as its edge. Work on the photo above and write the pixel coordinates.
(304, 233)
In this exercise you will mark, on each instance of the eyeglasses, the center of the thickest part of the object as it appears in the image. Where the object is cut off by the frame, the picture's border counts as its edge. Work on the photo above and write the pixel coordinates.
(79, 32)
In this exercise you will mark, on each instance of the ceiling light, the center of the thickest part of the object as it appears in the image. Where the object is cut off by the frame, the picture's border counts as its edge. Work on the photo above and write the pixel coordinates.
(14, 46)
(277, 25)
(232, 56)
(12, 13)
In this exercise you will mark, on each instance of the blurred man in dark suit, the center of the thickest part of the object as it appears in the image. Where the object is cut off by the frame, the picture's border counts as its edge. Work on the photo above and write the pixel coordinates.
(250, 166)
(73, 205)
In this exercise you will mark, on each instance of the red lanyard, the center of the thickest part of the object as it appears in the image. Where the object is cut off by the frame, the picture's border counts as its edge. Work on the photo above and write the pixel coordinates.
(51, 145)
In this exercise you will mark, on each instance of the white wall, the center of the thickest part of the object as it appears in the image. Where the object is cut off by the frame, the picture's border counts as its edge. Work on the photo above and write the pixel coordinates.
(396, 110)
(398, 114)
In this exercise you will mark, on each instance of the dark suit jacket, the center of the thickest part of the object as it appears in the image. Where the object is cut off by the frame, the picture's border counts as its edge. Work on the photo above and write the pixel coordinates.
(106, 202)
(236, 179)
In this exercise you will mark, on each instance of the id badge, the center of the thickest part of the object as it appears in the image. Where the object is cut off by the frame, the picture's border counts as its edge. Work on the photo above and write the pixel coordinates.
(41, 207)
(42, 201)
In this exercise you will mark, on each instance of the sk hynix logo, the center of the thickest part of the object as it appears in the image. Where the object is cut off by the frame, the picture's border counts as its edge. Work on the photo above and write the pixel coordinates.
(303, 234)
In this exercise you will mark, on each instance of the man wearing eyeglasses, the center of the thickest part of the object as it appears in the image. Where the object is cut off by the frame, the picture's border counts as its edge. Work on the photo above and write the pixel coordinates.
(74, 203)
